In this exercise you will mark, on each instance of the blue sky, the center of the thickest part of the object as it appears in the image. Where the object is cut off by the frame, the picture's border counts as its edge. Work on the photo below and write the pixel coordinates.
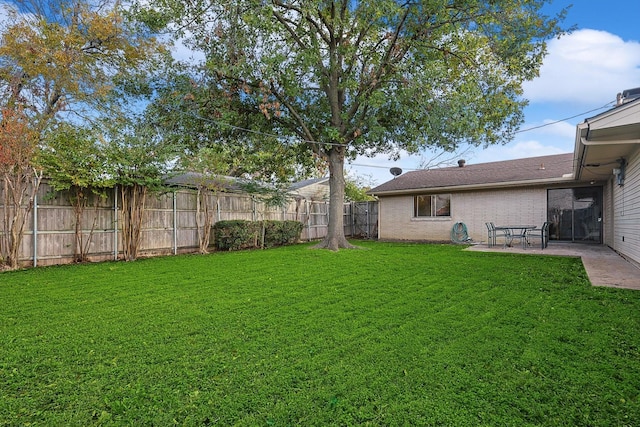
(582, 72)
(580, 77)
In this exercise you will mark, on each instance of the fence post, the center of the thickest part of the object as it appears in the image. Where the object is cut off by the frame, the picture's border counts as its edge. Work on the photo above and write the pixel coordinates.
(253, 208)
(35, 229)
(175, 223)
(326, 206)
(352, 206)
(115, 223)
(306, 204)
(368, 221)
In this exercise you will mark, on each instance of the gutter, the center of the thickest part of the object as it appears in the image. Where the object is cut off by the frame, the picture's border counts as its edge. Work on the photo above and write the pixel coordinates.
(487, 186)
(586, 142)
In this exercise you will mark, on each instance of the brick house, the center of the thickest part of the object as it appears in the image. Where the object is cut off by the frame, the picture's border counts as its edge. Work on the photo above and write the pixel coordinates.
(591, 195)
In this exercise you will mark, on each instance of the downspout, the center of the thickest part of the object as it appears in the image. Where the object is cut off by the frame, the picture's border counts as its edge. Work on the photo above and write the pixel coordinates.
(583, 141)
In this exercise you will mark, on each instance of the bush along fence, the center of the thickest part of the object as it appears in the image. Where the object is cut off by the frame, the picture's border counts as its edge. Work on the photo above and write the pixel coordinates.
(170, 224)
(241, 234)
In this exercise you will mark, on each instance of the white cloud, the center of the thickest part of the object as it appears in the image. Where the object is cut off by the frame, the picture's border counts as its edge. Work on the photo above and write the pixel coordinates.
(582, 71)
(538, 139)
(550, 128)
(587, 67)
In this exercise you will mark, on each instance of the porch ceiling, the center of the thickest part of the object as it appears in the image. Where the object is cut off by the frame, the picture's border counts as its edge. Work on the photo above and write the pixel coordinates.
(605, 139)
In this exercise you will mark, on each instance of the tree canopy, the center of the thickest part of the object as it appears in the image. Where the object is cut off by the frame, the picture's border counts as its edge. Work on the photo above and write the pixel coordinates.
(68, 56)
(62, 61)
(345, 78)
(192, 112)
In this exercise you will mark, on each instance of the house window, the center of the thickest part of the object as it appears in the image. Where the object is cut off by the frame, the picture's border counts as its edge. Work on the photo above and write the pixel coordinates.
(432, 205)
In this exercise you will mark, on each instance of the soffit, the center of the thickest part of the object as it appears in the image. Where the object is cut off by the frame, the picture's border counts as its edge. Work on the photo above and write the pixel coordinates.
(605, 139)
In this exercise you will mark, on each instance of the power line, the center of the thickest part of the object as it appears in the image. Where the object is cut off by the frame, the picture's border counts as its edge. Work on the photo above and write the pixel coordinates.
(271, 135)
(607, 105)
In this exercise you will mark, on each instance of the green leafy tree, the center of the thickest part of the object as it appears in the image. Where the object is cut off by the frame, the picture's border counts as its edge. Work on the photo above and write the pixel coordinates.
(347, 78)
(67, 56)
(138, 164)
(58, 59)
(355, 189)
(193, 111)
(73, 161)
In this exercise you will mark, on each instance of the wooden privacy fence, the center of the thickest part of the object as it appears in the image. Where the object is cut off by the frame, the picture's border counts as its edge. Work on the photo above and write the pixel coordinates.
(169, 223)
(363, 219)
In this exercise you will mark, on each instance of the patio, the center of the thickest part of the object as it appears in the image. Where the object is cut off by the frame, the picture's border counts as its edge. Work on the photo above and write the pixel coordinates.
(604, 266)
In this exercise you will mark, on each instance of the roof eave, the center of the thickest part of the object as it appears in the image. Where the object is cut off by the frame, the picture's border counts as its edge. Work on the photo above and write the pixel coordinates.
(484, 186)
(605, 138)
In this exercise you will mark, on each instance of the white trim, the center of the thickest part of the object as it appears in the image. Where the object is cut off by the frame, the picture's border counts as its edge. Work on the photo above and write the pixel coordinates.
(585, 141)
(492, 185)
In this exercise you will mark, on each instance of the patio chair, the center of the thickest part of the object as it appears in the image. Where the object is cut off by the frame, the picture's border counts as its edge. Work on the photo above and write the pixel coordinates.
(489, 234)
(493, 235)
(541, 233)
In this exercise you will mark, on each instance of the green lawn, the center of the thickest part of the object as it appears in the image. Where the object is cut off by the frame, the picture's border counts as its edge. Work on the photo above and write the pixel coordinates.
(394, 334)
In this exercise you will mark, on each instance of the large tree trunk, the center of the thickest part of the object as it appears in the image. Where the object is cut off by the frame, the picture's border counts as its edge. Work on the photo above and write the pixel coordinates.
(335, 238)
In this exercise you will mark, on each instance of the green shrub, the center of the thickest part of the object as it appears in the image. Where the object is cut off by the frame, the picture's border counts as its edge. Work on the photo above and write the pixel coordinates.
(280, 233)
(241, 234)
(235, 234)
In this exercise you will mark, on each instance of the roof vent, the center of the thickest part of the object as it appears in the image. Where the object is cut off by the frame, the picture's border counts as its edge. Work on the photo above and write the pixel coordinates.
(628, 95)
(461, 163)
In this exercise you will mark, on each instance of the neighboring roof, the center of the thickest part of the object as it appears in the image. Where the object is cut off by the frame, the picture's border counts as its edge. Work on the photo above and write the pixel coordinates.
(528, 171)
(307, 182)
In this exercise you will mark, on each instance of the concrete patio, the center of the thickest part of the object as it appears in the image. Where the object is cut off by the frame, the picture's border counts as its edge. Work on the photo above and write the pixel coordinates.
(604, 266)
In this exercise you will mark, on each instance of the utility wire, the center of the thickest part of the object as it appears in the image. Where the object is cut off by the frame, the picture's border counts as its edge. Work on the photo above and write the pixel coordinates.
(271, 135)
(607, 105)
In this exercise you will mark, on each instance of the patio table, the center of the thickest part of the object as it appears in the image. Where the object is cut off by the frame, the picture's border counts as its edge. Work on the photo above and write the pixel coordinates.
(515, 232)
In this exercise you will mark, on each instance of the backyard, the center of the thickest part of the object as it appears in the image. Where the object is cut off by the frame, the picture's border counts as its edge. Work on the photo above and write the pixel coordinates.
(392, 334)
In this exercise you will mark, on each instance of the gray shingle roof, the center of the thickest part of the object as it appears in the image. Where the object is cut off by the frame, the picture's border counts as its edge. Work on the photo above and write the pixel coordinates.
(532, 169)
(301, 184)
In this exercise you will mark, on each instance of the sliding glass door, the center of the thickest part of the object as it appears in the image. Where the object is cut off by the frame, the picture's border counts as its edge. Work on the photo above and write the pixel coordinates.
(575, 214)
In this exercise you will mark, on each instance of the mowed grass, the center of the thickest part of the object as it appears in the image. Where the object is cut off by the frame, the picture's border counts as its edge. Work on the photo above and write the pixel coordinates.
(393, 334)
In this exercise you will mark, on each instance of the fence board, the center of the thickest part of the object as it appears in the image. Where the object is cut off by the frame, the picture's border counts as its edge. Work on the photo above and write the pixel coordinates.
(167, 227)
